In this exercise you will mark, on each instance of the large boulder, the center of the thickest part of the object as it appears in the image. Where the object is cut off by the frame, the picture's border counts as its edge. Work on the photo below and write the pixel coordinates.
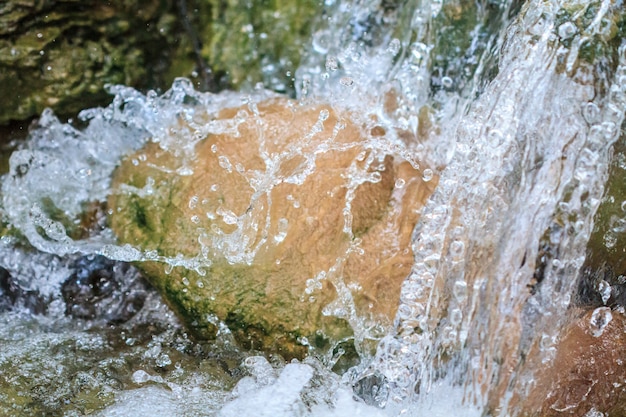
(293, 225)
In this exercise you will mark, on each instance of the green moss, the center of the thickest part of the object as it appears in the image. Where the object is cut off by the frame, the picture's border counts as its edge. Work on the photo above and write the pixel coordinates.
(251, 42)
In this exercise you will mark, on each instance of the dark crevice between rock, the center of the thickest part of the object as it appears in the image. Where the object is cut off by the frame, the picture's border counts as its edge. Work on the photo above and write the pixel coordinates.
(100, 288)
(13, 296)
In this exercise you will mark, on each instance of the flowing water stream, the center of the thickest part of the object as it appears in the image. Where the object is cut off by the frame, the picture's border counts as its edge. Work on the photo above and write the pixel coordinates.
(505, 108)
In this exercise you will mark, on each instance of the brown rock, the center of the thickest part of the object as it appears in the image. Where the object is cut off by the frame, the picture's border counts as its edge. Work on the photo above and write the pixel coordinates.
(301, 217)
(588, 371)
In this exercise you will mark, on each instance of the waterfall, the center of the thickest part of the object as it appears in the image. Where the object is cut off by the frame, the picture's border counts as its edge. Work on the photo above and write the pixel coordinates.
(514, 108)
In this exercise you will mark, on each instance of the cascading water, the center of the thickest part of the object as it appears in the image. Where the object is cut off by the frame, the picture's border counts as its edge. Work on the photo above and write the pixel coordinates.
(504, 106)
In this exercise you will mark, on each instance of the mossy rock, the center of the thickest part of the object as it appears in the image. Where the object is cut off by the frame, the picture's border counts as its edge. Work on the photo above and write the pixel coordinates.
(60, 54)
(297, 220)
(606, 250)
(244, 43)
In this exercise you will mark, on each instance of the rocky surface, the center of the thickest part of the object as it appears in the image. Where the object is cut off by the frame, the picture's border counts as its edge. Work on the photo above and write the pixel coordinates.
(61, 54)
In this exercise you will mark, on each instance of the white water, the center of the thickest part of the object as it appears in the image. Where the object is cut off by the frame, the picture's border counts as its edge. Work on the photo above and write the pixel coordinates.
(528, 155)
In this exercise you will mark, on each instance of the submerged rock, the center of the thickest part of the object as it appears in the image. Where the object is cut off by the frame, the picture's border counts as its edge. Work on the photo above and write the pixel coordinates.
(587, 375)
(292, 224)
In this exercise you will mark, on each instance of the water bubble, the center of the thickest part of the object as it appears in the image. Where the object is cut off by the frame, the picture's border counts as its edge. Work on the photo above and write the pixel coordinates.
(324, 114)
(609, 240)
(140, 376)
(604, 288)
(283, 225)
(447, 82)
(346, 81)
(567, 30)
(331, 64)
(591, 112)
(459, 290)
(418, 53)
(193, 202)
(600, 318)
(394, 46)
(225, 163)
(399, 183)
(163, 360)
(321, 41)
(427, 175)
(457, 249)
(456, 316)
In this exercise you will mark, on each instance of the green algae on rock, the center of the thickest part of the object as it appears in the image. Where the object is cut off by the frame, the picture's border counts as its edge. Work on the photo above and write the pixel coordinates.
(60, 54)
(251, 42)
(296, 223)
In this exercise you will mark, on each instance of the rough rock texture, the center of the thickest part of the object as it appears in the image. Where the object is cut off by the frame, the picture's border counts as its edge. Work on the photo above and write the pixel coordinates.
(243, 43)
(290, 219)
(588, 371)
(61, 53)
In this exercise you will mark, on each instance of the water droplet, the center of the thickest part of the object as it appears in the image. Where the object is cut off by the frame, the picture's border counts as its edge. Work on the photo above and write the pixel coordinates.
(193, 202)
(456, 316)
(331, 64)
(321, 41)
(163, 360)
(600, 318)
(604, 288)
(400, 183)
(225, 163)
(591, 112)
(447, 82)
(324, 114)
(283, 225)
(567, 30)
(457, 249)
(394, 46)
(140, 376)
(346, 81)
(227, 216)
(418, 53)
(460, 291)
(609, 240)
(427, 175)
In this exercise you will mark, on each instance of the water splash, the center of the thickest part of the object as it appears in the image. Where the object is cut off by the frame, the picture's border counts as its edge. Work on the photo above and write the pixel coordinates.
(519, 133)
(527, 138)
